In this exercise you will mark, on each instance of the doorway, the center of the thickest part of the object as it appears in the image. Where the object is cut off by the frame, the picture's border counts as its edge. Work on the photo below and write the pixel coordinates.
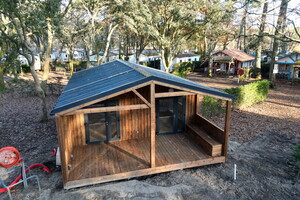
(170, 115)
(102, 127)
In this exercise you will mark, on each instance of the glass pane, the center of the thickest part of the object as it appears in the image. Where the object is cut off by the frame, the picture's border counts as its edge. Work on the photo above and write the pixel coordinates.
(180, 113)
(97, 128)
(113, 123)
(166, 115)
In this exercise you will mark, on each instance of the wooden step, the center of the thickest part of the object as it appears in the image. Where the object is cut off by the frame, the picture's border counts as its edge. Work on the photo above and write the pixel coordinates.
(210, 145)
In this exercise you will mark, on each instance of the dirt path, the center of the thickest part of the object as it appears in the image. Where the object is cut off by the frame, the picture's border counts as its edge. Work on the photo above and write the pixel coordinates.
(262, 137)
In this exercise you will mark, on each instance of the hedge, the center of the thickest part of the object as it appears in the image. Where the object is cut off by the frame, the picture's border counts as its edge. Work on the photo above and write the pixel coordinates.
(244, 96)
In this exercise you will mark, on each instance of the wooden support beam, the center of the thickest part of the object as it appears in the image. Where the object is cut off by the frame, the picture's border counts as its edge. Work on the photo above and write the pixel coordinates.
(108, 109)
(141, 97)
(172, 94)
(226, 129)
(104, 98)
(188, 90)
(153, 125)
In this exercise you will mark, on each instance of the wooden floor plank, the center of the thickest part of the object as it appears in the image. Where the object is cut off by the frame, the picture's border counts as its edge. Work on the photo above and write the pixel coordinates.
(119, 157)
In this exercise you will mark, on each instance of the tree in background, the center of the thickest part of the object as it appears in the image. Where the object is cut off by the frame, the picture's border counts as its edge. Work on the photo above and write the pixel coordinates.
(261, 35)
(214, 27)
(280, 23)
(170, 22)
(28, 20)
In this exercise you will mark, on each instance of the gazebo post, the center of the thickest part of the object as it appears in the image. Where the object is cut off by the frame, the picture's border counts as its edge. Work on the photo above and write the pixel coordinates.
(153, 125)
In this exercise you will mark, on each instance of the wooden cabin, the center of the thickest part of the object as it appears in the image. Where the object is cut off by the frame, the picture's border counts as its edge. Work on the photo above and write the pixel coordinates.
(288, 66)
(122, 120)
(229, 61)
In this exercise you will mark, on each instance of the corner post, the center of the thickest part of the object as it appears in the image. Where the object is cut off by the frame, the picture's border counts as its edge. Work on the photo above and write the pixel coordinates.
(153, 125)
(226, 128)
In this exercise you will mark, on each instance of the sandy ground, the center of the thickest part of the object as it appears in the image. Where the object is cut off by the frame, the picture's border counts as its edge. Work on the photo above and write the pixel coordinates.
(261, 142)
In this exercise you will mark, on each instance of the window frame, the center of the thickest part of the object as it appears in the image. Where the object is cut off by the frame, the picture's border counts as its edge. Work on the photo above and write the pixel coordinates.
(108, 123)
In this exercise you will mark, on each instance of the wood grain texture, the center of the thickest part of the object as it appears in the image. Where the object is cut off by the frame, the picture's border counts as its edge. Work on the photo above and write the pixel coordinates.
(227, 126)
(142, 172)
(172, 94)
(105, 159)
(213, 130)
(153, 125)
(212, 147)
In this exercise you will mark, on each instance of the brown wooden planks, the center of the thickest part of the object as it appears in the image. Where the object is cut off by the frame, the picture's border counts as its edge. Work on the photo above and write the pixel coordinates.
(142, 172)
(227, 126)
(211, 146)
(212, 129)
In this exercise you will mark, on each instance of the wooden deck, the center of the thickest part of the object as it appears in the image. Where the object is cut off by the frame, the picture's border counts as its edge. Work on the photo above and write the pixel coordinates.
(105, 159)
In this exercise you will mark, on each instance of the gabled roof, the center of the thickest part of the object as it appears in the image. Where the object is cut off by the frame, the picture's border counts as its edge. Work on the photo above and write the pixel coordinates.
(112, 77)
(288, 55)
(237, 54)
(186, 55)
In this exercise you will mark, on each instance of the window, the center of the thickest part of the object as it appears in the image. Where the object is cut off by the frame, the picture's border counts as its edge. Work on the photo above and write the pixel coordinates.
(170, 115)
(284, 67)
(103, 126)
(190, 59)
(195, 59)
(180, 60)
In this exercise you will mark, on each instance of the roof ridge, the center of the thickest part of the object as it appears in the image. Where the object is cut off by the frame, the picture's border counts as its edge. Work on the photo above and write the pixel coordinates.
(133, 66)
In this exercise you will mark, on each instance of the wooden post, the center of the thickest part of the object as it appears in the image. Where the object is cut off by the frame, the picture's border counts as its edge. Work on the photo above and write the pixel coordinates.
(226, 128)
(153, 125)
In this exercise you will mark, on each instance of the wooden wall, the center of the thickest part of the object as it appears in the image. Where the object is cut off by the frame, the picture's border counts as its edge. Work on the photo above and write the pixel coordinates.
(191, 107)
(70, 131)
(134, 123)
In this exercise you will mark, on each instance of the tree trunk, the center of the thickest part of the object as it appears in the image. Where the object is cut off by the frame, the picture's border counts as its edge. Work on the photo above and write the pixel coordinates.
(108, 39)
(280, 21)
(88, 62)
(40, 92)
(210, 65)
(2, 83)
(242, 29)
(59, 54)
(47, 53)
(166, 59)
(70, 59)
(261, 37)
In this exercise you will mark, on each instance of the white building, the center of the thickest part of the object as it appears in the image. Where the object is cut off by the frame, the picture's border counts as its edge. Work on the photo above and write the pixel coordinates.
(37, 61)
(110, 57)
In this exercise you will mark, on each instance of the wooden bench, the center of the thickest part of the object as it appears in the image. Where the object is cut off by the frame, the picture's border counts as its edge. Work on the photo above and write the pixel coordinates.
(210, 145)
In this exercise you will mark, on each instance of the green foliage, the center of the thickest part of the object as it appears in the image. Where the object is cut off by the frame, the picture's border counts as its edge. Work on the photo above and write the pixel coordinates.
(244, 96)
(25, 68)
(154, 64)
(265, 68)
(182, 69)
(296, 155)
(211, 106)
(79, 65)
(255, 73)
(249, 94)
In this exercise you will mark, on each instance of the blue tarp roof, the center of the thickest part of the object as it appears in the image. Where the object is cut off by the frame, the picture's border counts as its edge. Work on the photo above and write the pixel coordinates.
(109, 78)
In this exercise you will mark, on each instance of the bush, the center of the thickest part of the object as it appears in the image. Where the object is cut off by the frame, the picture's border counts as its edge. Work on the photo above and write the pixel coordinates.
(182, 69)
(211, 106)
(255, 73)
(296, 155)
(79, 65)
(265, 68)
(25, 68)
(247, 95)
(244, 96)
